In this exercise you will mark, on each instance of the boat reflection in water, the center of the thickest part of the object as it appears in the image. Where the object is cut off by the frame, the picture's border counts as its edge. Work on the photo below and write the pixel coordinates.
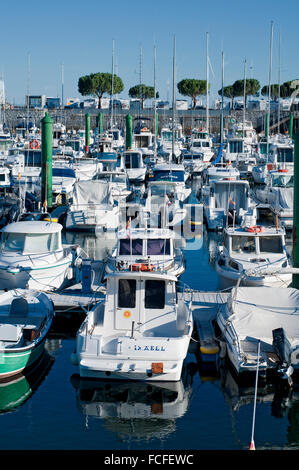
(135, 409)
(15, 391)
(274, 402)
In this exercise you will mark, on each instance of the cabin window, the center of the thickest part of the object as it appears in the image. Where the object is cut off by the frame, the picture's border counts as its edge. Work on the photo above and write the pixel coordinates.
(243, 244)
(55, 241)
(285, 155)
(2, 176)
(127, 293)
(236, 146)
(233, 265)
(158, 247)
(12, 241)
(130, 247)
(154, 294)
(271, 244)
(38, 242)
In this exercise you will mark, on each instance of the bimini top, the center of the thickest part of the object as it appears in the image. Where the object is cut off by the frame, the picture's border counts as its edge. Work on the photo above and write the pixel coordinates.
(33, 226)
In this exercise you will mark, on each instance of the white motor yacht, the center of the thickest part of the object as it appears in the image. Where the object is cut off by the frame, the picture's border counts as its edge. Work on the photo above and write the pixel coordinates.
(134, 165)
(141, 331)
(33, 256)
(248, 250)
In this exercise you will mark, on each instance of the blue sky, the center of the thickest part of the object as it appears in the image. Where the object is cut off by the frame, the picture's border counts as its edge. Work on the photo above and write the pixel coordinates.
(79, 35)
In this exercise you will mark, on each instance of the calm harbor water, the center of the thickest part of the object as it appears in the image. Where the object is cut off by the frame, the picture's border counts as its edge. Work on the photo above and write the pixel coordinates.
(52, 409)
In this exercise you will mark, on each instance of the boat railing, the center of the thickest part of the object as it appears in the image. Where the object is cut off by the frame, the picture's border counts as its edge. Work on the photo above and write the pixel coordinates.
(146, 264)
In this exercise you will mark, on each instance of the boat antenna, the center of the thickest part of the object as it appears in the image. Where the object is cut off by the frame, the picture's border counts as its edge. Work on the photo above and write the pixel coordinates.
(252, 445)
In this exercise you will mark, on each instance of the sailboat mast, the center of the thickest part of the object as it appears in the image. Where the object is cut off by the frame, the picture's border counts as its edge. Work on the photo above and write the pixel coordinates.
(62, 85)
(278, 111)
(269, 86)
(244, 99)
(207, 85)
(173, 96)
(155, 107)
(28, 81)
(112, 85)
(222, 102)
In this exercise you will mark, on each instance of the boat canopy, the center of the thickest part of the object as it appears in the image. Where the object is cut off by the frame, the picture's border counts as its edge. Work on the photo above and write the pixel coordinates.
(63, 172)
(255, 315)
(91, 192)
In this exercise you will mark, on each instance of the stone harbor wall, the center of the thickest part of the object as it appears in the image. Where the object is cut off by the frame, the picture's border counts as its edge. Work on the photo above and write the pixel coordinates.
(75, 118)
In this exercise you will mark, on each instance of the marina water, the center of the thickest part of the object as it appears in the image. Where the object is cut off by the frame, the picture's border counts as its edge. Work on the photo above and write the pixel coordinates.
(52, 409)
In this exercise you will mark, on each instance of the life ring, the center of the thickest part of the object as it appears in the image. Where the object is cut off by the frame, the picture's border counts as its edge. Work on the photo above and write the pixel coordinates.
(255, 228)
(142, 267)
(61, 142)
(283, 170)
(34, 144)
(200, 129)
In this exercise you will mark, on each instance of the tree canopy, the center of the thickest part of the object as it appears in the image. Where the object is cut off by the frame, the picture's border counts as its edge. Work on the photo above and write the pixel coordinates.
(97, 84)
(228, 92)
(237, 89)
(285, 91)
(192, 87)
(143, 92)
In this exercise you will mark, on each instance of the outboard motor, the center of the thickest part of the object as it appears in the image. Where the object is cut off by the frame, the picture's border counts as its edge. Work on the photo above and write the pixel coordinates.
(282, 348)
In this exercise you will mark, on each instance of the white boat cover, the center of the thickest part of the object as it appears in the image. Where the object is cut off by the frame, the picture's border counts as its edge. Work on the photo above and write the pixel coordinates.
(231, 193)
(91, 192)
(257, 311)
(285, 198)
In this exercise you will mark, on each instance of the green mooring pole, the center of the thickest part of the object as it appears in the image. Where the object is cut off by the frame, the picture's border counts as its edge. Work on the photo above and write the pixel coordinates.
(295, 282)
(129, 131)
(87, 132)
(46, 187)
(291, 125)
(100, 123)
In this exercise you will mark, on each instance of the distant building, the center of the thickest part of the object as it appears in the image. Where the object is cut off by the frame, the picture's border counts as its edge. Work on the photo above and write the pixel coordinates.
(53, 103)
(36, 101)
(181, 104)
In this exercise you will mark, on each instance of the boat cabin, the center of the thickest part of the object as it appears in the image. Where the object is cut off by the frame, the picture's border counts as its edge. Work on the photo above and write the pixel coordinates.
(31, 237)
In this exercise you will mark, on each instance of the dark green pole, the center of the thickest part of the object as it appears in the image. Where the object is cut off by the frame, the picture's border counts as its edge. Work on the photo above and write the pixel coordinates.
(295, 282)
(291, 125)
(46, 183)
(100, 123)
(87, 132)
(129, 131)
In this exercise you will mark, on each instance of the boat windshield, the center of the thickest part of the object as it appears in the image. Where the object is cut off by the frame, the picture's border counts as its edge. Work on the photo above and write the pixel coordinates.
(157, 247)
(142, 141)
(29, 242)
(283, 180)
(242, 244)
(271, 244)
(285, 154)
(236, 146)
(166, 135)
(201, 144)
(132, 160)
(130, 247)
